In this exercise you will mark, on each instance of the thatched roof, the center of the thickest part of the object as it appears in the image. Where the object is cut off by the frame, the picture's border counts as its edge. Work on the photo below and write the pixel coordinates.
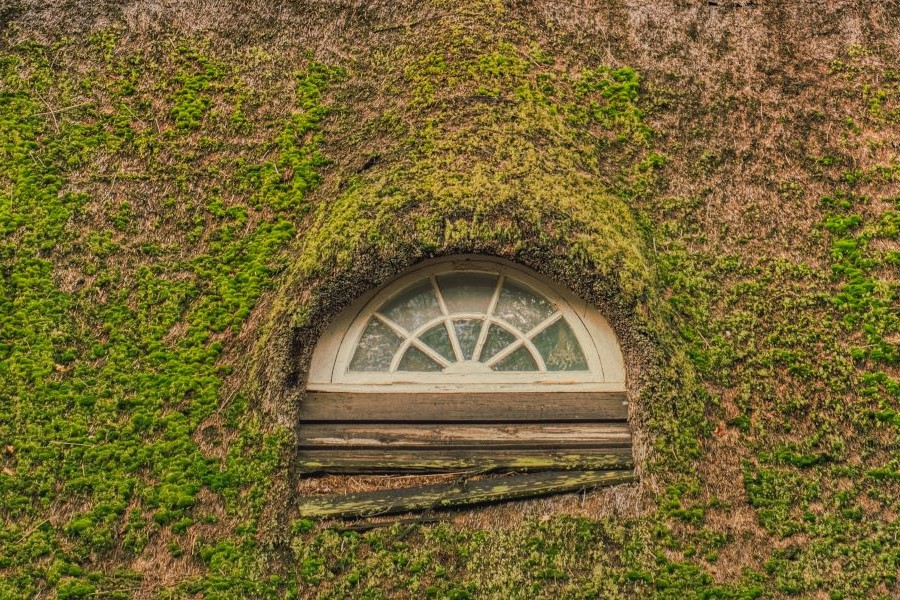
(191, 191)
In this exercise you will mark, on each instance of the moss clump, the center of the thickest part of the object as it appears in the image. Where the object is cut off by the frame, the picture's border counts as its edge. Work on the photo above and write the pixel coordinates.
(192, 98)
(508, 174)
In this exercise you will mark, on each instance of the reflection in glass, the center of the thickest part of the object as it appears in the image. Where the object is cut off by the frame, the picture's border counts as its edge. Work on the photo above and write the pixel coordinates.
(497, 339)
(416, 360)
(467, 331)
(376, 348)
(560, 349)
(414, 307)
(438, 339)
(522, 308)
(467, 292)
(520, 360)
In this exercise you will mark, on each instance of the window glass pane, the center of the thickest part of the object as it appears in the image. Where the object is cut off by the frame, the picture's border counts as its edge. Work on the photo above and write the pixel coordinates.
(519, 310)
(467, 331)
(467, 292)
(497, 339)
(560, 349)
(520, 360)
(521, 307)
(414, 307)
(416, 360)
(376, 348)
(438, 339)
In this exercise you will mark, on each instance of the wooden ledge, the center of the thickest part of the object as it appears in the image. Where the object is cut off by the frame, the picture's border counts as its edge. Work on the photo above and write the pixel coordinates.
(495, 407)
(459, 494)
(483, 460)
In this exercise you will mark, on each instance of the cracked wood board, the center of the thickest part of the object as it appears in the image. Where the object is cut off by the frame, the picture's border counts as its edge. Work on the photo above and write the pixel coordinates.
(466, 493)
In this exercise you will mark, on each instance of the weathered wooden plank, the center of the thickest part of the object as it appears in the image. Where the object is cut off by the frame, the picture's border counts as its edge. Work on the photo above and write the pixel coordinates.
(462, 407)
(443, 460)
(444, 496)
(523, 435)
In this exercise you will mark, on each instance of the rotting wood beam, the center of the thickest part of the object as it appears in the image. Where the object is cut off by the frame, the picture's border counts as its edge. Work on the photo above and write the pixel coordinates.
(440, 461)
(454, 495)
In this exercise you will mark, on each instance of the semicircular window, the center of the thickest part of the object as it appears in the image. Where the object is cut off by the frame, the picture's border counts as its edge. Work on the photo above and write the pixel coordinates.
(468, 322)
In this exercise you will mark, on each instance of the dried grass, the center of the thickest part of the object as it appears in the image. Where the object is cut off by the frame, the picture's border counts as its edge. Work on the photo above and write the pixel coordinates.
(160, 569)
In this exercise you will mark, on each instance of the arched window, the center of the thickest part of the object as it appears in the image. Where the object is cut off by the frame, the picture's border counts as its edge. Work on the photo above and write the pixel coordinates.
(469, 324)
(468, 364)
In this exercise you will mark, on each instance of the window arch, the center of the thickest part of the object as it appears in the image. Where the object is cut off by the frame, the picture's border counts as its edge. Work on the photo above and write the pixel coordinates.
(465, 364)
(469, 323)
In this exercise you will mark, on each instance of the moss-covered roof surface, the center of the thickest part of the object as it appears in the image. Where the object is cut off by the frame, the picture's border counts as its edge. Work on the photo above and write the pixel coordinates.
(191, 191)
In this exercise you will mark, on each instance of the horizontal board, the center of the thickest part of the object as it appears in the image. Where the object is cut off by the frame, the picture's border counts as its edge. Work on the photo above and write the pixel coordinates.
(522, 435)
(466, 493)
(461, 407)
(444, 460)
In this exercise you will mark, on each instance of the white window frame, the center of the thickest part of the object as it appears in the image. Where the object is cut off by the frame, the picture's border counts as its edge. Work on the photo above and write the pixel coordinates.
(329, 370)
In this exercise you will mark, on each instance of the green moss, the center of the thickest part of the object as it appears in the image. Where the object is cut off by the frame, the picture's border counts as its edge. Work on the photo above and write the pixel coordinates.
(521, 188)
(866, 301)
(192, 98)
(108, 381)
